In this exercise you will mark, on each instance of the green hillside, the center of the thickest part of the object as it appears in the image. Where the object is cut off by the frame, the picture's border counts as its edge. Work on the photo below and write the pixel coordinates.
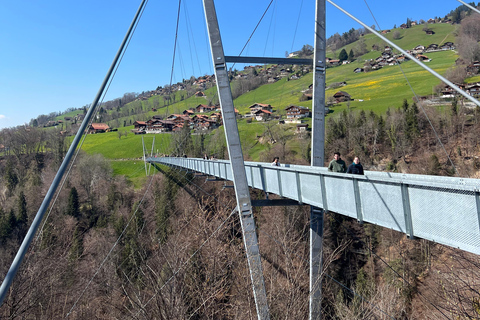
(375, 90)
(409, 38)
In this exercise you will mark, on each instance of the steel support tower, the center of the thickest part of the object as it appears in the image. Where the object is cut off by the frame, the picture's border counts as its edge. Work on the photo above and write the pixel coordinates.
(317, 160)
(236, 155)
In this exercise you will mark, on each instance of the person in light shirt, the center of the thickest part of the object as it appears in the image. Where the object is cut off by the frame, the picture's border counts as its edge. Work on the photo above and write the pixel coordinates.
(276, 162)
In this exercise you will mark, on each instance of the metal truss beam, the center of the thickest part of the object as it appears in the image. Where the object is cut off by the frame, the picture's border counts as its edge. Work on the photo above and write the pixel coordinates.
(268, 60)
(275, 203)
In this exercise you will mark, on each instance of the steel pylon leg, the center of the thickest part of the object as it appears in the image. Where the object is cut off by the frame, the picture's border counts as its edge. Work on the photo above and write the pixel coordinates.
(236, 159)
(317, 160)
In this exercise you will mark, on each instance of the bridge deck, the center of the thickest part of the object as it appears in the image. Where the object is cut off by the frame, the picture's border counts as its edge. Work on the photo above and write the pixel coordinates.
(441, 209)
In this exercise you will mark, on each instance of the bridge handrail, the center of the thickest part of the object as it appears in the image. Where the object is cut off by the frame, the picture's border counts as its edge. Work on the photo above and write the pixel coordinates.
(441, 209)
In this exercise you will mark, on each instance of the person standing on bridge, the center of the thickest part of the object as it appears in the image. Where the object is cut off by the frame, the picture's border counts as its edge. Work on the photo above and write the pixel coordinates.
(276, 162)
(337, 164)
(356, 167)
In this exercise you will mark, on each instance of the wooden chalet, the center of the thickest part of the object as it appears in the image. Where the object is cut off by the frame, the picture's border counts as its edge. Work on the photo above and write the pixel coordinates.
(159, 126)
(139, 127)
(473, 89)
(448, 46)
(297, 112)
(201, 108)
(140, 124)
(422, 57)
(418, 49)
(342, 96)
(262, 115)
(98, 128)
(260, 106)
(302, 127)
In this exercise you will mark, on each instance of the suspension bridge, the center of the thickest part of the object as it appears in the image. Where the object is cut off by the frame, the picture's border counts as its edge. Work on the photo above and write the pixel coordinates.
(427, 207)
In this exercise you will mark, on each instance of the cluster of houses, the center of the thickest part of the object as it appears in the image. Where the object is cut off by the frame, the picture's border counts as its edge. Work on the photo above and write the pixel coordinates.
(472, 89)
(196, 120)
(388, 58)
(53, 123)
(430, 21)
(176, 122)
(203, 82)
(273, 73)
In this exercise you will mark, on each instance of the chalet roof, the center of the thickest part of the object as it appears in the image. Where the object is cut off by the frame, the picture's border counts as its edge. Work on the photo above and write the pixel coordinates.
(99, 126)
(259, 104)
(262, 111)
(299, 107)
(142, 123)
(341, 93)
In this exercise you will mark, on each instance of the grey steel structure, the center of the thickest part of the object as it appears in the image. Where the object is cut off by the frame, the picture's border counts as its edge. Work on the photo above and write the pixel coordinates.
(237, 167)
(318, 160)
(445, 210)
(236, 155)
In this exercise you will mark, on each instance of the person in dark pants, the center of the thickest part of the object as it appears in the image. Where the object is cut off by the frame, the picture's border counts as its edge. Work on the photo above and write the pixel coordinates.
(356, 167)
(337, 164)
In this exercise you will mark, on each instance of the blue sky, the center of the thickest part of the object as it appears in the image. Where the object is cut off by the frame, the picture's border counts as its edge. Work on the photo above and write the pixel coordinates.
(55, 54)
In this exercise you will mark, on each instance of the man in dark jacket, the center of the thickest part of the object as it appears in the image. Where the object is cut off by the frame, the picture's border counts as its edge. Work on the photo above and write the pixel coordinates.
(337, 164)
(356, 167)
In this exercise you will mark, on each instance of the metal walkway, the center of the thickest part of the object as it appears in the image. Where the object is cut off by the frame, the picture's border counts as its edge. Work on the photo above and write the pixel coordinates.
(440, 209)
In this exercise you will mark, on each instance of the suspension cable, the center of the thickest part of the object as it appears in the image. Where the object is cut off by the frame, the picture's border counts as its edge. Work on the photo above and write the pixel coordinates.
(453, 86)
(255, 29)
(58, 177)
(448, 82)
(469, 6)
(175, 46)
(418, 100)
(85, 131)
(296, 26)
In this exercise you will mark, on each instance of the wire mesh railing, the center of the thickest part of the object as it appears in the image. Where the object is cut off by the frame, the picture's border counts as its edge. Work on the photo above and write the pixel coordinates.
(440, 209)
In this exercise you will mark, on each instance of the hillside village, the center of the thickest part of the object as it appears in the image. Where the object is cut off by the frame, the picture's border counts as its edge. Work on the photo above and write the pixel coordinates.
(196, 119)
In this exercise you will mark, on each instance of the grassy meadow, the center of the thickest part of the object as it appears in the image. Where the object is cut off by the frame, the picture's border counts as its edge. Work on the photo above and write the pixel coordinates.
(375, 90)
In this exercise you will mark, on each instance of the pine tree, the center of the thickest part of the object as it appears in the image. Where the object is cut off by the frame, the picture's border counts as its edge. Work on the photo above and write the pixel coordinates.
(411, 120)
(22, 216)
(343, 55)
(10, 177)
(351, 55)
(73, 208)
